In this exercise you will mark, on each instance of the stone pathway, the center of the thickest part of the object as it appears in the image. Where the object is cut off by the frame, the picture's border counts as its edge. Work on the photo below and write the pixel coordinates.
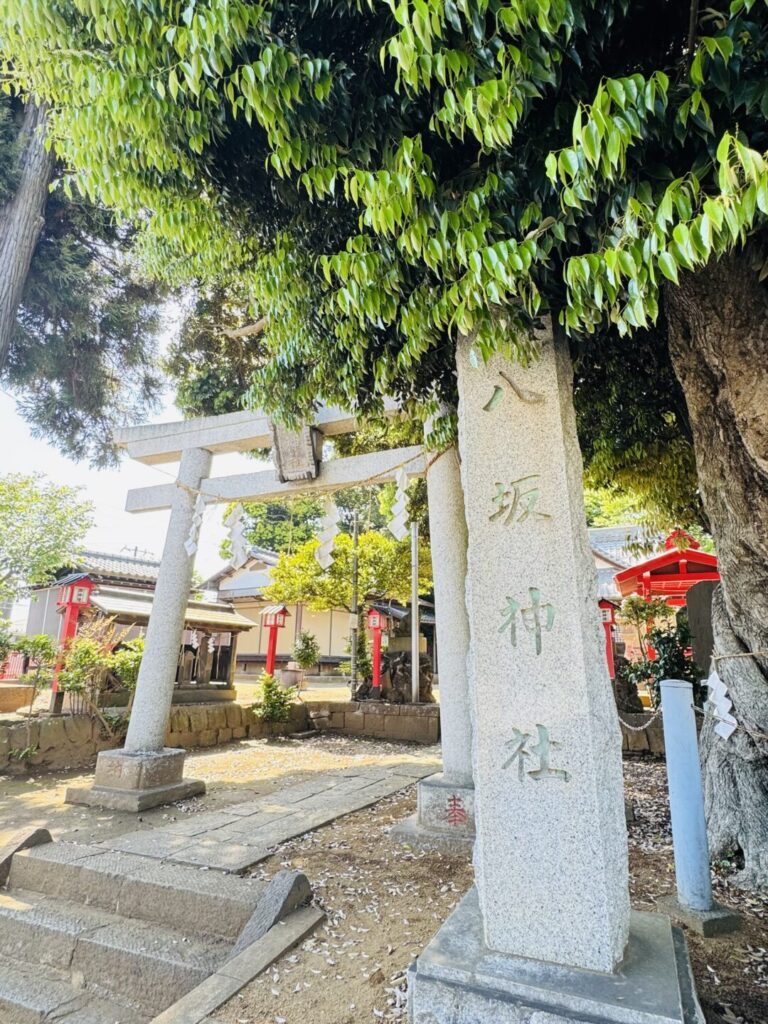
(234, 838)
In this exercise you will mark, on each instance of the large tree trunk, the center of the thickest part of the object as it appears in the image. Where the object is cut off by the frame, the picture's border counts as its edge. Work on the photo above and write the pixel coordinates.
(21, 220)
(718, 338)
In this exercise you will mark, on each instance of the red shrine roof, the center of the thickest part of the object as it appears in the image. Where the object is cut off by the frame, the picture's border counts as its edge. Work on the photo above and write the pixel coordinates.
(670, 574)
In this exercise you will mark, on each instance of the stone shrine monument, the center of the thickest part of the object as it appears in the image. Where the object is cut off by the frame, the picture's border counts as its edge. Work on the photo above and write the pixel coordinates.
(547, 934)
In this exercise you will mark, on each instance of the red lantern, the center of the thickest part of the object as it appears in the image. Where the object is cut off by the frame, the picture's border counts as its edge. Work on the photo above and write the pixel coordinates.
(273, 617)
(378, 623)
(73, 597)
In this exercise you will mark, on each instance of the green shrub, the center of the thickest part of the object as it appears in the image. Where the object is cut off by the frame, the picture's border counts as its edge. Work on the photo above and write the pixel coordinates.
(306, 651)
(275, 704)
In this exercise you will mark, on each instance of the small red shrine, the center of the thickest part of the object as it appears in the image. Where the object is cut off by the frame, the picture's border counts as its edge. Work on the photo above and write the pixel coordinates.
(671, 574)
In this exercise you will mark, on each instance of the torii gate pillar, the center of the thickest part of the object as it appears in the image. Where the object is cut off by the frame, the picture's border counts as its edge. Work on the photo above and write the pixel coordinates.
(146, 773)
(445, 817)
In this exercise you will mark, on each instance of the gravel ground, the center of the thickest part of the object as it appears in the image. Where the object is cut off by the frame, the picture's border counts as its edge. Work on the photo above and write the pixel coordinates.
(384, 903)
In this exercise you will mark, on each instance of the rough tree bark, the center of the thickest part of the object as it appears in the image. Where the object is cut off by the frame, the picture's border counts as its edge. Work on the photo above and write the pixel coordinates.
(718, 339)
(21, 220)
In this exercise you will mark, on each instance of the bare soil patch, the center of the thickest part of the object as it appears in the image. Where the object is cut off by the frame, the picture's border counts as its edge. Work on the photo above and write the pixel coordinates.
(385, 902)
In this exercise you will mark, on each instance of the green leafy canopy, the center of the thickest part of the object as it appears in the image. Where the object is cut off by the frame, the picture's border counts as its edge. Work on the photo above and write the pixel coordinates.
(374, 176)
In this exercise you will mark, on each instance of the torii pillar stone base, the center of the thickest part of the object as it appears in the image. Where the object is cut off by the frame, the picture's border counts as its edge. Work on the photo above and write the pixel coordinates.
(445, 817)
(137, 780)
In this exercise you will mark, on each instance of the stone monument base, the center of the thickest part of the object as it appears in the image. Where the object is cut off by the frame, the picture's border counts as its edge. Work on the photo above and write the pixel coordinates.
(718, 920)
(444, 819)
(458, 980)
(136, 780)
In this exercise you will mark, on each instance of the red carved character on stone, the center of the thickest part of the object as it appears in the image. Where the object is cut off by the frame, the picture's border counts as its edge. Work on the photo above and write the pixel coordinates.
(456, 814)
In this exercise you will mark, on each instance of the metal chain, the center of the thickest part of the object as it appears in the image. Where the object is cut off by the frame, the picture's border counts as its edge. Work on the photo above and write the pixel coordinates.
(646, 723)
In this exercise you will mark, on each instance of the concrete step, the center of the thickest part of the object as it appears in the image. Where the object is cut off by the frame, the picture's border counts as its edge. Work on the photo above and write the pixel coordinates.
(185, 898)
(141, 961)
(30, 994)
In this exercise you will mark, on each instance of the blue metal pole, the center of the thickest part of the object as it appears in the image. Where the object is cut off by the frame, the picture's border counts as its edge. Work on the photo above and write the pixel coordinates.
(686, 797)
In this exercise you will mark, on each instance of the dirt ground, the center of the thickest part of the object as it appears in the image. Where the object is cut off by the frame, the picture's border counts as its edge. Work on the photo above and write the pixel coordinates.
(233, 773)
(385, 902)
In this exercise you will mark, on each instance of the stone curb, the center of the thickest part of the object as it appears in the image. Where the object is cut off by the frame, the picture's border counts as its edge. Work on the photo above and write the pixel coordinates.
(203, 1000)
(21, 840)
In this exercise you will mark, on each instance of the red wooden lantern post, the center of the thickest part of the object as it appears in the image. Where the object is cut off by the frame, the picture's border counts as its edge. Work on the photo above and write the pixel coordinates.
(72, 598)
(273, 617)
(377, 623)
(608, 618)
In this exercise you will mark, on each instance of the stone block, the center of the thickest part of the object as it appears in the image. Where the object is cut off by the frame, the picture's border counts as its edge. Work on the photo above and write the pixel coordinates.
(337, 719)
(375, 725)
(224, 735)
(198, 718)
(256, 729)
(119, 769)
(207, 738)
(637, 742)
(234, 714)
(286, 892)
(239, 732)
(78, 728)
(373, 707)
(354, 721)
(24, 839)
(718, 920)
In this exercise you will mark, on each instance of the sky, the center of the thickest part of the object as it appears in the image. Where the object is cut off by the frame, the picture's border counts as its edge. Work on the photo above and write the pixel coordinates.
(114, 529)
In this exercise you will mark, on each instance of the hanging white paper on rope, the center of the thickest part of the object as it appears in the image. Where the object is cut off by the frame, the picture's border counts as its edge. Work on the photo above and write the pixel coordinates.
(194, 639)
(397, 525)
(190, 544)
(721, 706)
(235, 523)
(329, 528)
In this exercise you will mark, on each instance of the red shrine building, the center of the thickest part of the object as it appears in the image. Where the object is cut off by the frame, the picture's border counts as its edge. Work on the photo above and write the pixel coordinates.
(671, 574)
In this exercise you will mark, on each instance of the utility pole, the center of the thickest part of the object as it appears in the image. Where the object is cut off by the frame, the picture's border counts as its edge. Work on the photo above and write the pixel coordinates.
(415, 613)
(354, 616)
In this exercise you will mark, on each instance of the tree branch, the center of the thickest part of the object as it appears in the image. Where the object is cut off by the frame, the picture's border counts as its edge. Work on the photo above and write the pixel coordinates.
(249, 331)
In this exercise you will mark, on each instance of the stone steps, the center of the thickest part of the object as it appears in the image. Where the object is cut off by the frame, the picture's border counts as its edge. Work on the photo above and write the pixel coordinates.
(30, 994)
(90, 935)
(137, 887)
(141, 961)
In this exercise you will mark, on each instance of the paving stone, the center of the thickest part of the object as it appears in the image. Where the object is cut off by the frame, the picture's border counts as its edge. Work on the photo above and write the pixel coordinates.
(154, 843)
(230, 857)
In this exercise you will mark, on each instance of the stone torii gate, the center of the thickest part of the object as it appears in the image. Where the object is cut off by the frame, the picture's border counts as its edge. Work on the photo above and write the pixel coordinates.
(146, 773)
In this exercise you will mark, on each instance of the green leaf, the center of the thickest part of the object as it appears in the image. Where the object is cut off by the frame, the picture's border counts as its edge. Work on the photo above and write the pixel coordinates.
(668, 267)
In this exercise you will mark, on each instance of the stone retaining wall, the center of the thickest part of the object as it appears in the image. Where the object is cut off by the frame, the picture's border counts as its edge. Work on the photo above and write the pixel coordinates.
(73, 741)
(416, 724)
(650, 740)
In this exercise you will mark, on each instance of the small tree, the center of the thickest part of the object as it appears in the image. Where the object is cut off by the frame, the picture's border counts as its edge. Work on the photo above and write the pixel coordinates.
(275, 702)
(40, 649)
(643, 614)
(306, 651)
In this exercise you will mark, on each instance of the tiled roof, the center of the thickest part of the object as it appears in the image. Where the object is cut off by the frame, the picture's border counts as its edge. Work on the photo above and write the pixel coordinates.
(136, 606)
(617, 542)
(118, 567)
